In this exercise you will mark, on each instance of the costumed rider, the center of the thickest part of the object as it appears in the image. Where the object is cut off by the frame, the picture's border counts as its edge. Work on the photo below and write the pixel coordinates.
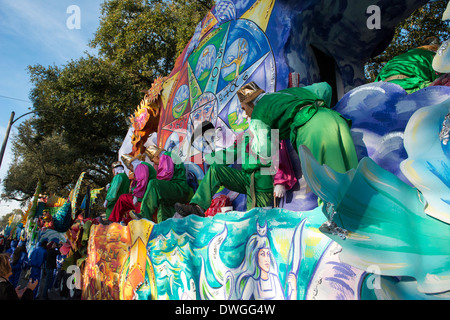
(302, 115)
(251, 180)
(412, 70)
(140, 174)
(120, 184)
(169, 187)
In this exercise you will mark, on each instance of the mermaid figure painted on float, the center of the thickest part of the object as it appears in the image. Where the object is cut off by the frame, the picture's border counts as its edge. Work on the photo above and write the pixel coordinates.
(256, 277)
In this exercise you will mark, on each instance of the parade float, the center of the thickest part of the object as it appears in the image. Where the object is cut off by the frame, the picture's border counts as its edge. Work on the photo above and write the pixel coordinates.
(380, 231)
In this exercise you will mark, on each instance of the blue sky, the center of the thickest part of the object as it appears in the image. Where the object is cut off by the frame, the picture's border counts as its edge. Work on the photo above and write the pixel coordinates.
(37, 32)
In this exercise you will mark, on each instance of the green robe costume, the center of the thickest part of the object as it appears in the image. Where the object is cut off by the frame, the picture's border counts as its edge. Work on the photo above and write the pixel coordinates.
(162, 195)
(250, 180)
(303, 116)
(416, 68)
(120, 184)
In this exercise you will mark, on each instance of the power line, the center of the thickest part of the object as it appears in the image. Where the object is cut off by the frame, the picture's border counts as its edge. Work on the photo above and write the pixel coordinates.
(14, 99)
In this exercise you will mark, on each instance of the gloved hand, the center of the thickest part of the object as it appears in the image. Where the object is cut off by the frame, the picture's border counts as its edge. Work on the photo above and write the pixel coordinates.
(107, 186)
(279, 191)
(135, 201)
(105, 203)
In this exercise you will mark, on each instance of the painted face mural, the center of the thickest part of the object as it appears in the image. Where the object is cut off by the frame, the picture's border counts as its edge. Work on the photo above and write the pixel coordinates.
(264, 260)
(278, 255)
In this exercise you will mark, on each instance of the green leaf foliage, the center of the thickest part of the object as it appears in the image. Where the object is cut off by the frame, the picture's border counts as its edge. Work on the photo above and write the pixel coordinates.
(145, 37)
(82, 108)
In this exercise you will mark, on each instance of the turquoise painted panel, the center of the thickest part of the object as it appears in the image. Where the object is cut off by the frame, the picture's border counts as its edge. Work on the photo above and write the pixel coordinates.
(381, 224)
(259, 254)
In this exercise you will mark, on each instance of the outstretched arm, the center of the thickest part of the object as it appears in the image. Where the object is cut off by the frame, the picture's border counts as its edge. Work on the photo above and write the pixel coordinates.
(285, 175)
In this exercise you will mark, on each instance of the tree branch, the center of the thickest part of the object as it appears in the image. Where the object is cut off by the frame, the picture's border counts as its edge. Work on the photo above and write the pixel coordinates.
(4, 196)
(204, 4)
